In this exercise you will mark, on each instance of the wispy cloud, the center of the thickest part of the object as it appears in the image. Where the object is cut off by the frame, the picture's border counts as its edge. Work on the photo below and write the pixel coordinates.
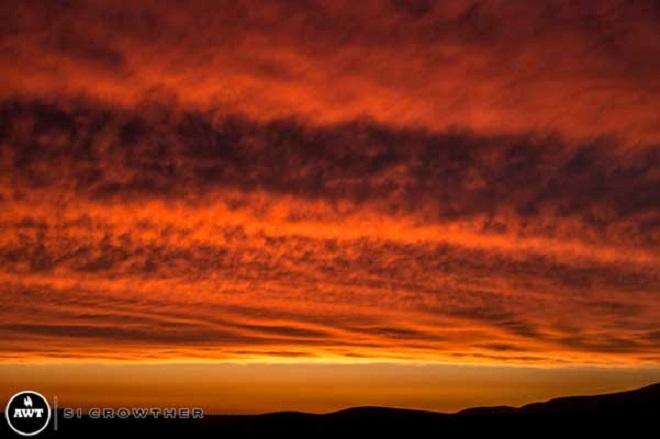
(177, 234)
(579, 68)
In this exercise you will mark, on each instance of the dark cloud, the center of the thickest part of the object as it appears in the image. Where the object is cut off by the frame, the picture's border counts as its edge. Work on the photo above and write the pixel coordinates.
(80, 47)
(543, 181)
(423, 268)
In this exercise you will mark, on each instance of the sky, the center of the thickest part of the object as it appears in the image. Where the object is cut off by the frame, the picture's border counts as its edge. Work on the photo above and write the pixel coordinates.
(223, 199)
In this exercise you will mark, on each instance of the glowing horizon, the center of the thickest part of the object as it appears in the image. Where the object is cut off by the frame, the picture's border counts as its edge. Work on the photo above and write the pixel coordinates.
(234, 388)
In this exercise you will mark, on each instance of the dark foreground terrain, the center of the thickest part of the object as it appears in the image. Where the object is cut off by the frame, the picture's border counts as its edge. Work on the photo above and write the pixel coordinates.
(630, 414)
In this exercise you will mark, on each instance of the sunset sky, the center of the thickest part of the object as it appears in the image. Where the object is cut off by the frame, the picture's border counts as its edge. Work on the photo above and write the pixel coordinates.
(264, 205)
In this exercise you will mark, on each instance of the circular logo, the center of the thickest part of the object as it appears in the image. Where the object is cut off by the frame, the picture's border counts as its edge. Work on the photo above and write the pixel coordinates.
(27, 413)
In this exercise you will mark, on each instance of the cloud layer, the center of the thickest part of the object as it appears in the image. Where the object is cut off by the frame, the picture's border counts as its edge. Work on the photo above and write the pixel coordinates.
(165, 233)
(581, 68)
(457, 181)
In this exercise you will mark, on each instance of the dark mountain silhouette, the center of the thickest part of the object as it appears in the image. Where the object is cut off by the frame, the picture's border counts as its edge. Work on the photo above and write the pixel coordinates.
(634, 413)
(639, 401)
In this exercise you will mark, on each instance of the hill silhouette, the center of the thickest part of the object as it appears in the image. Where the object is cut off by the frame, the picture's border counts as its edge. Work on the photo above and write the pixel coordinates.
(635, 413)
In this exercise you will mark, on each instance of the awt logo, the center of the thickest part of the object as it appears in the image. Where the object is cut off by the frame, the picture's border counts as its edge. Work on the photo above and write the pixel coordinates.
(27, 413)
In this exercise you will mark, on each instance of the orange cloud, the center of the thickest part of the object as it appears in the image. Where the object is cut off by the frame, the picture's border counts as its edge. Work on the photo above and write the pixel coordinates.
(583, 69)
(170, 234)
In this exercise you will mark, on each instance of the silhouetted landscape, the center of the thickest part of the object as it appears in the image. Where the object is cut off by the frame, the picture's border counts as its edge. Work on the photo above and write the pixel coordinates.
(629, 411)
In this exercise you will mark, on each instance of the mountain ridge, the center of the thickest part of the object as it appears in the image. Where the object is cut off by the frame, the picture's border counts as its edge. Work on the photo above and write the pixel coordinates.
(625, 412)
